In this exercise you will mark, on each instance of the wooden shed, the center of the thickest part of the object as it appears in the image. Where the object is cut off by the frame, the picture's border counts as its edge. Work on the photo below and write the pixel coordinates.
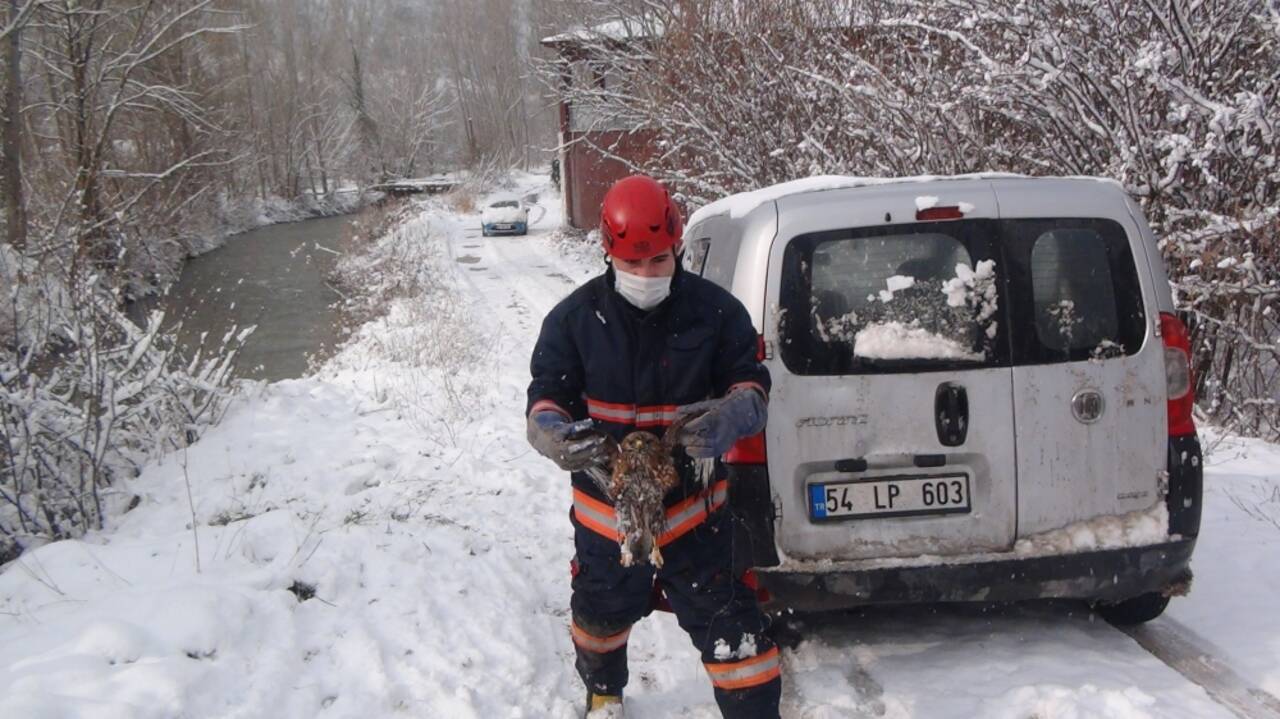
(586, 172)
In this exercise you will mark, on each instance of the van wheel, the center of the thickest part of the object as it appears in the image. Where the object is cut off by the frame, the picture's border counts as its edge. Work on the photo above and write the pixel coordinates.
(1136, 610)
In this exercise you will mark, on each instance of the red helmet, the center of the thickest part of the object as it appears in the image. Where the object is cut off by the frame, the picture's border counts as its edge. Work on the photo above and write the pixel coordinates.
(638, 219)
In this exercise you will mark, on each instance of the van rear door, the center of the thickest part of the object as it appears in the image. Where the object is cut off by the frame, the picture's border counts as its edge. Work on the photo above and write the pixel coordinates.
(890, 428)
(1088, 373)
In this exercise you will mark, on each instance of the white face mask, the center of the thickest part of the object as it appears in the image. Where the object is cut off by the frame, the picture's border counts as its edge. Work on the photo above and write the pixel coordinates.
(643, 292)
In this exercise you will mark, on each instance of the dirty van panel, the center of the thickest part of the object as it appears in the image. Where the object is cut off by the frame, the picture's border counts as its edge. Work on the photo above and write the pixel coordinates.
(1088, 385)
(892, 416)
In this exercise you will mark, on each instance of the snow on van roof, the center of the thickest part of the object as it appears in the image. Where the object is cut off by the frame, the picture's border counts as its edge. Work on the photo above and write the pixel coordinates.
(743, 203)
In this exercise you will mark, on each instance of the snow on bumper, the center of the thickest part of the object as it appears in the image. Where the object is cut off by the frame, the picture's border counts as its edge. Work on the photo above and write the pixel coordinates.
(1101, 574)
(1107, 558)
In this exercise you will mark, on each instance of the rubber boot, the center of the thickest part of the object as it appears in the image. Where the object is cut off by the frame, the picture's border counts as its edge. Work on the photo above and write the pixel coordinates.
(604, 706)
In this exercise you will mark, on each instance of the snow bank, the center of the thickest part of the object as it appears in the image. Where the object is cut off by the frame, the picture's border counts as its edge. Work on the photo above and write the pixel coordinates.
(238, 216)
(1237, 580)
(311, 484)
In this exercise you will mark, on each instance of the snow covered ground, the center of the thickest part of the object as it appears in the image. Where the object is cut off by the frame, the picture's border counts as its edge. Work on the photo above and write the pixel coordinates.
(1232, 605)
(395, 492)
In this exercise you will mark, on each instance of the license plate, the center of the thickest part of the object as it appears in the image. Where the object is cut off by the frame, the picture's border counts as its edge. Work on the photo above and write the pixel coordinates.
(503, 227)
(890, 497)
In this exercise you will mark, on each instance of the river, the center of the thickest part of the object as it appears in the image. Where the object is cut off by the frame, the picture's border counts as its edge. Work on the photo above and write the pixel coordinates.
(274, 278)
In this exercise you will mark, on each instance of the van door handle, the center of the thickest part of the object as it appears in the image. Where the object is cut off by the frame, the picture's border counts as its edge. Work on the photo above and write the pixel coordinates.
(951, 414)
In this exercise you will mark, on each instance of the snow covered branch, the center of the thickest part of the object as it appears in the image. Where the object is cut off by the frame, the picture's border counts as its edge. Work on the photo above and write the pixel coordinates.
(1175, 100)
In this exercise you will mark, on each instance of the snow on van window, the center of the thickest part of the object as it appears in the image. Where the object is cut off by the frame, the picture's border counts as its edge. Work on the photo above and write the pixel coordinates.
(895, 340)
(1105, 350)
(1063, 317)
(976, 289)
(896, 283)
(920, 311)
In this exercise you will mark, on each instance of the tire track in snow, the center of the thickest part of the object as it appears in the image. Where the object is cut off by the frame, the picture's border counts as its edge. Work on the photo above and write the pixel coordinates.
(514, 273)
(519, 259)
(1189, 654)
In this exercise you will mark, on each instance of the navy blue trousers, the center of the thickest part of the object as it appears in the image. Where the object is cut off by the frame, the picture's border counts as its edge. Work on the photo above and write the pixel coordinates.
(701, 578)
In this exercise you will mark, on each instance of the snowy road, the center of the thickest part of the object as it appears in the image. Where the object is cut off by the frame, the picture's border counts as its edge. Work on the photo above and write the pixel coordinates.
(397, 485)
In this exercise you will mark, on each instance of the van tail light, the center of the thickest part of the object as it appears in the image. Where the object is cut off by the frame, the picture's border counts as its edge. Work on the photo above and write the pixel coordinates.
(1177, 373)
(752, 580)
(748, 450)
(939, 213)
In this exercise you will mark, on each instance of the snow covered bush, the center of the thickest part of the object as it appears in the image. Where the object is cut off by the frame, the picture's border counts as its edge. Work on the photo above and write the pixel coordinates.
(1176, 100)
(86, 396)
(413, 322)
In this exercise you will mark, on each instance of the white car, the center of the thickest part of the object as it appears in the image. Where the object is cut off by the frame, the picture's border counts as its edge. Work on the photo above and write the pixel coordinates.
(505, 216)
(981, 392)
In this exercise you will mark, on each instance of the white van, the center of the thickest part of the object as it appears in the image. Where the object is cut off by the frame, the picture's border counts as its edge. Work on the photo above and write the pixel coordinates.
(981, 392)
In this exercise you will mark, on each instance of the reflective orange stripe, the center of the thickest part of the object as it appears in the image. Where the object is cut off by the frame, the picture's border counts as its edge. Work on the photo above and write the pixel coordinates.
(747, 673)
(595, 515)
(654, 415)
(599, 645)
(682, 517)
(611, 412)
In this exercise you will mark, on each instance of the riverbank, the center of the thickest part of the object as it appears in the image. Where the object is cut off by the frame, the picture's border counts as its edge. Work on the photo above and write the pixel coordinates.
(235, 218)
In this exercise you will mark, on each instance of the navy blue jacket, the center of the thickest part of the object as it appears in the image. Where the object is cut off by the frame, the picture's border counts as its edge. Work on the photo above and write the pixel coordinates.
(599, 356)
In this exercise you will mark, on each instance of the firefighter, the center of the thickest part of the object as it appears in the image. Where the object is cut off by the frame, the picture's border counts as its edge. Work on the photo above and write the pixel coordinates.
(632, 349)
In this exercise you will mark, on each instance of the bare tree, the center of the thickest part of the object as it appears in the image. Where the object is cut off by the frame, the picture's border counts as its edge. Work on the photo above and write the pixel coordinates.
(19, 15)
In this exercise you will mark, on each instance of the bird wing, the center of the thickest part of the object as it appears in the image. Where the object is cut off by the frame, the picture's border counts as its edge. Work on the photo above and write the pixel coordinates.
(602, 472)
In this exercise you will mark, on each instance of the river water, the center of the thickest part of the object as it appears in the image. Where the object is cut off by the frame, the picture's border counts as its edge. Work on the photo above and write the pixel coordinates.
(273, 277)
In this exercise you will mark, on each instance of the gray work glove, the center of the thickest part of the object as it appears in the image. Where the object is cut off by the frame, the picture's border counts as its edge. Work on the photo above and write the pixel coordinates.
(717, 423)
(573, 446)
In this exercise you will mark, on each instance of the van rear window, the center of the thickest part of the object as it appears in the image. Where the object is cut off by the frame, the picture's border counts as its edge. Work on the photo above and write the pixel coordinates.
(1075, 288)
(947, 295)
(891, 299)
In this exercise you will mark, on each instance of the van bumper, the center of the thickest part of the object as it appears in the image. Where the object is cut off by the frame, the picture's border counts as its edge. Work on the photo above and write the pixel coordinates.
(1106, 575)
(506, 228)
(1102, 575)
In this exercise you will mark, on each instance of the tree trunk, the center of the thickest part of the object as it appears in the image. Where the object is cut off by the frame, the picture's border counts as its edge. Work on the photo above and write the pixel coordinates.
(368, 128)
(91, 236)
(16, 217)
